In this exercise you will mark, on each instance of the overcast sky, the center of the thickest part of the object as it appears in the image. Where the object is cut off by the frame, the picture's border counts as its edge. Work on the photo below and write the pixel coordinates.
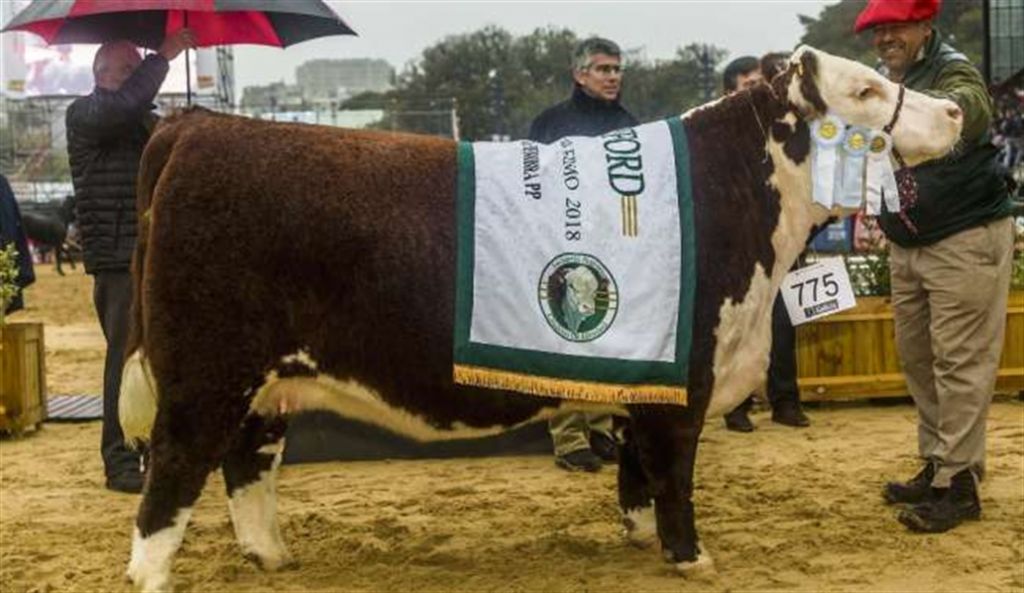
(399, 31)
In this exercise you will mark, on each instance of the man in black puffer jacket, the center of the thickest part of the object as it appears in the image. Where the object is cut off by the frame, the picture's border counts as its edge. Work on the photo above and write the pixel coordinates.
(583, 441)
(106, 132)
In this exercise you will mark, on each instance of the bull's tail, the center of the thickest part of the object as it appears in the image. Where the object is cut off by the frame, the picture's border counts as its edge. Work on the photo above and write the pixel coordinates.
(137, 401)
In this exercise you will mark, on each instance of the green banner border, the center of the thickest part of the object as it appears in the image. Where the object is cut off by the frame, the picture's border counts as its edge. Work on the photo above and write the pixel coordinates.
(581, 368)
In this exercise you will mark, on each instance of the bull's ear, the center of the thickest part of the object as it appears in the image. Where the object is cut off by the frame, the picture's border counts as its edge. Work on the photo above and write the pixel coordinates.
(800, 84)
(773, 64)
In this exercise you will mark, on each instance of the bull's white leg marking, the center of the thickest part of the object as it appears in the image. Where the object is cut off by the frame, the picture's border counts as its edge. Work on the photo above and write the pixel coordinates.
(641, 526)
(153, 556)
(253, 510)
(702, 563)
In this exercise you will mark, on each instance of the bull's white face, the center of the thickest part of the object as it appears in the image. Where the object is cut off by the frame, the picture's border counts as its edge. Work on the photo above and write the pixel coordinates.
(580, 295)
(581, 290)
(927, 127)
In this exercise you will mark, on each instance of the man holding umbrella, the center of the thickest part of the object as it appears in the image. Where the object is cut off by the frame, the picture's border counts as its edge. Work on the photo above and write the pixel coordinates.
(106, 132)
(108, 129)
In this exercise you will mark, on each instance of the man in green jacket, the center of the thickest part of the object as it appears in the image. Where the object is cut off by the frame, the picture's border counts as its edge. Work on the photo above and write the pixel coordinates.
(951, 248)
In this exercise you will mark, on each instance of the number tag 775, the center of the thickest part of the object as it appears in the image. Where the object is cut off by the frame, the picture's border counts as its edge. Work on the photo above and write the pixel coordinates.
(818, 290)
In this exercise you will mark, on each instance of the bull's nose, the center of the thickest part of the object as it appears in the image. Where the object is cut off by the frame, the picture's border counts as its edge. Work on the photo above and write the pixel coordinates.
(955, 112)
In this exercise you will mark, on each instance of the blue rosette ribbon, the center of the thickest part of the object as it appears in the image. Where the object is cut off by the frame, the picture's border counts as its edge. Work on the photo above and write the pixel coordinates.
(880, 179)
(855, 148)
(828, 134)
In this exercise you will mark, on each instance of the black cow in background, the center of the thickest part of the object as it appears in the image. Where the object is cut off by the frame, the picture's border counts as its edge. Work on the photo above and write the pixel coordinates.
(46, 225)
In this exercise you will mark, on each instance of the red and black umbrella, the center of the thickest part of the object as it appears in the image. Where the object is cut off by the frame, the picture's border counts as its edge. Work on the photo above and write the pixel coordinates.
(147, 22)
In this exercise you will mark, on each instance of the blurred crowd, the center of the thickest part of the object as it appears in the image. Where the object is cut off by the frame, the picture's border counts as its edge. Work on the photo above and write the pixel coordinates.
(1008, 136)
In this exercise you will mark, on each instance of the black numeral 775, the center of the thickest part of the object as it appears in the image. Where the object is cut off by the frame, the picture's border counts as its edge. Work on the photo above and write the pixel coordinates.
(829, 286)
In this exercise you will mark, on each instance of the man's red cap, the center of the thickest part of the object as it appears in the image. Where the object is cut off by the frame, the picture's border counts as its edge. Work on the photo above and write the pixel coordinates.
(879, 12)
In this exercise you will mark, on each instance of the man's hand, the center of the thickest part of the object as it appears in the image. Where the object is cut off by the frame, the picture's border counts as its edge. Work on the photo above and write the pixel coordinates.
(177, 43)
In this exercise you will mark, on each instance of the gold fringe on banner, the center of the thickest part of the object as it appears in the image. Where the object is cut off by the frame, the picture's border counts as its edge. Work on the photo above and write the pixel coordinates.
(609, 393)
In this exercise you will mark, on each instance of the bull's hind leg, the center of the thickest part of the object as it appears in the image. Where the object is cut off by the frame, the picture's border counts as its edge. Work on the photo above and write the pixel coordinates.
(250, 473)
(666, 439)
(188, 442)
(634, 495)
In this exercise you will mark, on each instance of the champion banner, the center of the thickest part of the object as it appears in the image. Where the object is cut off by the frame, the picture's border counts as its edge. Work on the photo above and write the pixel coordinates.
(576, 266)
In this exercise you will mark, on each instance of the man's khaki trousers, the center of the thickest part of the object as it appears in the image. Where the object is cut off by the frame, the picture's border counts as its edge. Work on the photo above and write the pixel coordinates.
(949, 303)
(571, 431)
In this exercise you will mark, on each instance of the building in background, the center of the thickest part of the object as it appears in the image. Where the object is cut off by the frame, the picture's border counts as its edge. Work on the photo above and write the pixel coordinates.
(339, 79)
(1004, 40)
(276, 96)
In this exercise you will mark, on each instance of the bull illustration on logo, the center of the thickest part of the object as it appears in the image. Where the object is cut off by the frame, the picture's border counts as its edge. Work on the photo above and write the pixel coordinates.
(578, 297)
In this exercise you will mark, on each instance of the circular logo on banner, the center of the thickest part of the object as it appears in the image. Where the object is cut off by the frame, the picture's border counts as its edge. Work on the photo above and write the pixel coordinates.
(578, 296)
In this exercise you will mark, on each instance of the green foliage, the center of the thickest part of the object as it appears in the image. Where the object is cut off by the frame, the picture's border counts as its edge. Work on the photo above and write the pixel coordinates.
(869, 270)
(960, 21)
(663, 89)
(832, 31)
(1017, 273)
(8, 277)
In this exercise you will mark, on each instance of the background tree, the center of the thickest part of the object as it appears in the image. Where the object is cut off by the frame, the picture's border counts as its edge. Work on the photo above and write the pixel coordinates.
(501, 82)
(959, 21)
(666, 88)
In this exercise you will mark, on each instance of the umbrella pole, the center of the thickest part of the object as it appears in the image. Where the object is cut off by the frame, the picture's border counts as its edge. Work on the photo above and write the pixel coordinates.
(188, 71)
(188, 81)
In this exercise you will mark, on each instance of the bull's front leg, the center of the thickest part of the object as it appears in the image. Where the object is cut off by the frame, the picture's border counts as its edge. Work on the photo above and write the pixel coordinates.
(666, 440)
(634, 495)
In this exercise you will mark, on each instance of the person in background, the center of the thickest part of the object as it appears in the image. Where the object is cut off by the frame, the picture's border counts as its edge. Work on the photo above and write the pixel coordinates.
(950, 253)
(584, 441)
(106, 132)
(12, 232)
(782, 389)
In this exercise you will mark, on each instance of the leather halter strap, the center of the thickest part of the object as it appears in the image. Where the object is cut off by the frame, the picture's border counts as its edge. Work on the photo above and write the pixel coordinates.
(892, 123)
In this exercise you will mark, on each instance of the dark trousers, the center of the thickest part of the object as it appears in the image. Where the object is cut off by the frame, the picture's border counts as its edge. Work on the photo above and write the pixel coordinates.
(112, 295)
(782, 385)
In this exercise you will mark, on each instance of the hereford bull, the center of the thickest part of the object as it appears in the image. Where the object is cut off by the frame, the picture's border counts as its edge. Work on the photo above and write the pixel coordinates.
(284, 267)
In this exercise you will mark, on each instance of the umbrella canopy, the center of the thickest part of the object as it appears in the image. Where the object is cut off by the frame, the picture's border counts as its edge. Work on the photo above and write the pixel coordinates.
(147, 22)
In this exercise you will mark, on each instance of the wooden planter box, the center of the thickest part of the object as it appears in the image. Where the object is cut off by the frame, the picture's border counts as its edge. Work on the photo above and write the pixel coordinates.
(853, 354)
(22, 377)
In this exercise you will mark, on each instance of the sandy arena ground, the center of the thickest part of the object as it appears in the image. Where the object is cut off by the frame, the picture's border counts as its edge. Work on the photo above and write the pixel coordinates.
(779, 509)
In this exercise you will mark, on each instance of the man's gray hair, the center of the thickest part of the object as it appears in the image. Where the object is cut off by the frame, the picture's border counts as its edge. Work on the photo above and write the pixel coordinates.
(589, 48)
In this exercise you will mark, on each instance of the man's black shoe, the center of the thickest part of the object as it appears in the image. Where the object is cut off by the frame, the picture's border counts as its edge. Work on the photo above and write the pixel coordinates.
(582, 460)
(916, 491)
(127, 481)
(790, 415)
(957, 504)
(604, 446)
(738, 421)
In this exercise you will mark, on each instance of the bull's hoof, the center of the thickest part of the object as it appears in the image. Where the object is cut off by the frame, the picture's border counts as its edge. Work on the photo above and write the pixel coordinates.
(149, 583)
(271, 562)
(702, 564)
(640, 527)
(147, 576)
